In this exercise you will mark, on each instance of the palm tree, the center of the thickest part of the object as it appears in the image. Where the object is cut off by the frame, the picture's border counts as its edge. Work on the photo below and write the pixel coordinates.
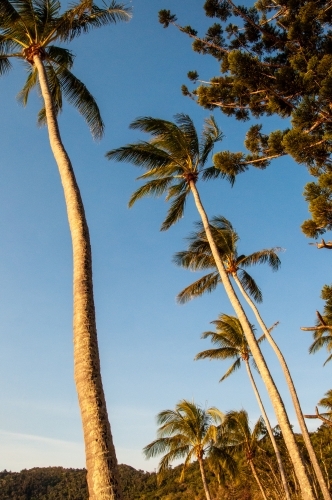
(28, 31)
(188, 432)
(199, 256)
(245, 439)
(232, 344)
(174, 159)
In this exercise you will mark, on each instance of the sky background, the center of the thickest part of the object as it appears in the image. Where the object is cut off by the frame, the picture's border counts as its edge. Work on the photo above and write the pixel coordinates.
(147, 341)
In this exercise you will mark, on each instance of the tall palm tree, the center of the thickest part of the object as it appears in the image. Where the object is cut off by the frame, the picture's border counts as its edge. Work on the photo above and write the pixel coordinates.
(199, 256)
(174, 159)
(188, 432)
(232, 344)
(247, 440)
(28, 31)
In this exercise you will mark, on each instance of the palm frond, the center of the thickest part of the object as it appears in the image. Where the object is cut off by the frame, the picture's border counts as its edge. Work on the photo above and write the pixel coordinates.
(187, 127)
(5, 65)
(266, 256)
(156, 187)
(166, 136)
(194, 259)
(8, 13)
(46, 12)
(142, 154)
(212, 173)
(175, 211)
(60, 56)
(30, 83)
(321, 341)
(84, 16)
(207, 283)
(250, 285)
(78, 95)
(235, 366)
(177, 189)
(218, 353)
(211, 134)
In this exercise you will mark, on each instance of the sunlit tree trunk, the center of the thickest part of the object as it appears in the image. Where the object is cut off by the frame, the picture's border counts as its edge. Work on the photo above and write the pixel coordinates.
(292, 390)
(205, 485)
(278, 405)
(101, 463)
(270, 432)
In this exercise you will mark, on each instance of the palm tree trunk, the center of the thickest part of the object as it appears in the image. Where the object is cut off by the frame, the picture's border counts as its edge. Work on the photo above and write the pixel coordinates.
(270, 432)
(253, 470)
(292, 390)
(205, 485)
(101, 463)
(278, 405)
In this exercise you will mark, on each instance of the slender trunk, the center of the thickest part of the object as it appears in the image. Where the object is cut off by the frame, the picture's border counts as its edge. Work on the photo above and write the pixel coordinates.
(257, 479)
(292, 390)
(275, 397)
(101, 463)
(270, 432)
(205, 485)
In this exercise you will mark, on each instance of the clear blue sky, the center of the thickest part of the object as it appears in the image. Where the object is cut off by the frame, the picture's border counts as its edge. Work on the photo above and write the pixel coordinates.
(147, 341)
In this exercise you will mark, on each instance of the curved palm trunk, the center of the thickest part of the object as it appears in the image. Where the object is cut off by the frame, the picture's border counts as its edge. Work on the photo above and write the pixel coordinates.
(270, 432)
(253, 470)
(205, 485)
(292, 390)
(278, 405)
(101, 463)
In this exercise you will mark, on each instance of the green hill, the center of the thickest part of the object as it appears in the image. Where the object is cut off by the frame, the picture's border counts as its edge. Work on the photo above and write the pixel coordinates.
(57, 483)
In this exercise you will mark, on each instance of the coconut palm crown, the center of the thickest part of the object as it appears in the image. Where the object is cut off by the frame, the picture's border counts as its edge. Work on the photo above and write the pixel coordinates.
(198, 256)
(230, 341)
(172, 158)
(29, 27)
(192, 433)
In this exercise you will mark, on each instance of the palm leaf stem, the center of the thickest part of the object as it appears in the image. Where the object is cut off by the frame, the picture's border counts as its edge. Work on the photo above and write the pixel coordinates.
(278, 405)
(292, 390)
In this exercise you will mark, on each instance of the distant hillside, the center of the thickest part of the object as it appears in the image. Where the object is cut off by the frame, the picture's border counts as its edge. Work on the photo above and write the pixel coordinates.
(57, 483)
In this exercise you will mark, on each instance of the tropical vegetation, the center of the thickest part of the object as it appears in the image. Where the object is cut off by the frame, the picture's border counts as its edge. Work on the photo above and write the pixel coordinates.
(174, 159)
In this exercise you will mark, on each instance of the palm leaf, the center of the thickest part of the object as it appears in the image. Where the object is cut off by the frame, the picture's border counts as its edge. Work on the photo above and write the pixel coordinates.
(186, 125)
(30, 83)
(219, 353)
(155, 187)
(5, 65)
(268, 256)
(177, 189)
(175, 211)
(60, 56)
(142, 154)
(207, 283)
(84, 16)
(78, 95)
(211, 134)
(235, 366)
(166, 136)
(213, 173)
(194, 260)
(250, 285)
